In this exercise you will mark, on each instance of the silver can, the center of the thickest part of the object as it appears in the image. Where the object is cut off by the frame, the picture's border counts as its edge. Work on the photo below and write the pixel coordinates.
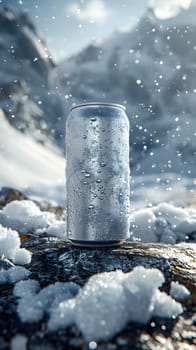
(97, 174)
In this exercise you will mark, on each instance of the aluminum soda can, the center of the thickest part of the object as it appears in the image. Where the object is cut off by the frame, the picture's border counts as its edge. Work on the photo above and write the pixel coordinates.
(97, 174)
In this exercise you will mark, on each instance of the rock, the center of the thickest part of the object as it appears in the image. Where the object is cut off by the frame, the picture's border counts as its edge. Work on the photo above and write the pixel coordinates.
(59, 261)
(55, 260)
(26, 96)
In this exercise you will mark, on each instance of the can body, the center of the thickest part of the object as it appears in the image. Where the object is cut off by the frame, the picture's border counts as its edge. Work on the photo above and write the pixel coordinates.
(97, 175)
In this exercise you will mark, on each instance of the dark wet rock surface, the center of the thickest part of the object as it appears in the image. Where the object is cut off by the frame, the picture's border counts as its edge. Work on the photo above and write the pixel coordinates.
(54, 260)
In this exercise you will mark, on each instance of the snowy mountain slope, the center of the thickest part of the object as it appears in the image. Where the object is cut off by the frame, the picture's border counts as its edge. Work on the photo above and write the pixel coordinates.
(152, 70)
(29, 166)
(25, 69)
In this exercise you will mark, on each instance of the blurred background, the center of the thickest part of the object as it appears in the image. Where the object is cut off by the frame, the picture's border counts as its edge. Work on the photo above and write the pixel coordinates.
(140, 54)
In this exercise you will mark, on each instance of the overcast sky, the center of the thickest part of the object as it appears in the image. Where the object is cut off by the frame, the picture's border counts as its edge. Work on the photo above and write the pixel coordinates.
(67, 26)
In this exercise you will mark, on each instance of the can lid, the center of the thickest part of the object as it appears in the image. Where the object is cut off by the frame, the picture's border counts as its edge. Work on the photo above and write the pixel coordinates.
(105, 104)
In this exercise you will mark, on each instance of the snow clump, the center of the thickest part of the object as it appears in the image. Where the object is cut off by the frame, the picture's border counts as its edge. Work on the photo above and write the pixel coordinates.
(178, 291)
(163, 223)
(25, 216)
(13, 275)
(10, 247)
(103, 307)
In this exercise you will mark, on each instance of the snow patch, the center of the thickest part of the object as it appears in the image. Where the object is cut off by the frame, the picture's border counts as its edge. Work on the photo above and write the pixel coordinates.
(163, 223)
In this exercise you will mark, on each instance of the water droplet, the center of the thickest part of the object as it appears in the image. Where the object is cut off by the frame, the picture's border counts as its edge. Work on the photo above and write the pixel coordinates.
(82, 171)
(99, 171)
(102, 191)
(91, 206)
(84, 137)
(102, 197)
(103, 164)
(103, 130)
(93, 119)
(85, 183)
(95, 195)
(120, 194)
(98, 181)
(87, 174)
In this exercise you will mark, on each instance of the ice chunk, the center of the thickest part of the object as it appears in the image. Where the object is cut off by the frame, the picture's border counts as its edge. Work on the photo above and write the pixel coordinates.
(17, 273)
(10, 247)
(178, 291)
(165, 306)
(18, 342)
(63, 315)
(100, 310)
(140, 286)
(26, 288)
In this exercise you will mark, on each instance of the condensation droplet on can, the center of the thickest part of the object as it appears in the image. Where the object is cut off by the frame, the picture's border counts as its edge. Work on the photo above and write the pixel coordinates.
(91, 206)
(103, 164)
(84, 137)
(93, 119)
(87, 174)
(98, 181)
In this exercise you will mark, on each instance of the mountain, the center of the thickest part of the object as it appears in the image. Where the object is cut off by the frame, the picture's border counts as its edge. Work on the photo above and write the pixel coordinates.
(29, 166)
(26, 96)
(151, 69)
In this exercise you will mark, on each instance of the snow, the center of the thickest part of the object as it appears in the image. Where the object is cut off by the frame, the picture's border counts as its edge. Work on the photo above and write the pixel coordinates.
(26, 288)
(178, 291)
(165, 306)
(10, 247)
(164, 223)
(63, 316)
(33, 306)
(13, 275)
(19, 342)
(103, 307)
(29, 166)
(25, 216)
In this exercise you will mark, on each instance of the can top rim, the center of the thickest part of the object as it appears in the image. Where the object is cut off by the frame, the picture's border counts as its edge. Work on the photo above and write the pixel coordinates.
(105, 104)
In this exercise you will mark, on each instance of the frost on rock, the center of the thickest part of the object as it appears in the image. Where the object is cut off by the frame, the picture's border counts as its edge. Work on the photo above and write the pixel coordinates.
(163, 223)
(178, 291)
(10, 247)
